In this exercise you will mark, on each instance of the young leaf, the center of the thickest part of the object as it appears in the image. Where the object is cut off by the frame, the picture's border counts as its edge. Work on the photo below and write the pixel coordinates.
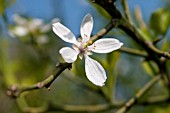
(160, 21)
(150, 67)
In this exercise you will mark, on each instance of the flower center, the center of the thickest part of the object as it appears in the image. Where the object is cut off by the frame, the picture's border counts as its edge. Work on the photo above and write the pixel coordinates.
(83, 47)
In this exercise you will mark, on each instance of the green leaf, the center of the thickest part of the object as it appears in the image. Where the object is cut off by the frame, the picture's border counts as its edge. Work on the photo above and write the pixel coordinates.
(165, 45)
(102, 11)
(112, 59)
(145, 34)
(150, 67)
(2, 6)
(160, 21)
(78, 68)
(5, 4)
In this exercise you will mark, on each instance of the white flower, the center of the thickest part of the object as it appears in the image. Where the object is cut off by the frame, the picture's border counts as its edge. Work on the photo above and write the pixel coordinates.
(19, 31)
(94, 71)
(28, 28)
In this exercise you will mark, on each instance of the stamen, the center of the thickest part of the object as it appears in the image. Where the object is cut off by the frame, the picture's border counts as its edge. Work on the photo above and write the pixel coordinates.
(90, 42)
(94, 47)
(84, 45)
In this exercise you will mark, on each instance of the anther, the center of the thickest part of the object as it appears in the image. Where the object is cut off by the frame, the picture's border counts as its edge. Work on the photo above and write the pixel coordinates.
(90, 42)
(84, 45)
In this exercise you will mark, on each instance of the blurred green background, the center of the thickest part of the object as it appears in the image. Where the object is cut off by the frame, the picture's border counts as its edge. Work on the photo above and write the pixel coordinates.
(29, 52)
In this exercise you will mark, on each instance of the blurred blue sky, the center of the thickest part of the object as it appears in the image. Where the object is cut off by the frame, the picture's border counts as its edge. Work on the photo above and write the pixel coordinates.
(71, 12)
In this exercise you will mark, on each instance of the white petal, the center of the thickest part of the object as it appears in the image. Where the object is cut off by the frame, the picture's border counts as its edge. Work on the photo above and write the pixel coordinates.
(45, 28)
(69, 55)
(94, 71)
(19, 19)
(42, 39)
(64, 33)
(106, 45)
(86, 27)
(37, 22)
(20, 31)
(55, 20)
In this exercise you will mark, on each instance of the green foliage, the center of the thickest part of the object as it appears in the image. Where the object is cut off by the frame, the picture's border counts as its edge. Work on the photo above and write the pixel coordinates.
(78, 68)
(102, 11)
(112, 59)
(24, 62)
(160, 21)
(150, 67)
(2, 6)
(145, 34)
(5, 4)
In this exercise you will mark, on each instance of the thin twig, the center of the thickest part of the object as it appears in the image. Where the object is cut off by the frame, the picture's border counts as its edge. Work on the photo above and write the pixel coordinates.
(127, 11)
(103, 31)
(51, 107)
(157, 51)
(134, 52)
(156, 100)
(15, 90)
(138, 95)
(102, 107)
(128, 28)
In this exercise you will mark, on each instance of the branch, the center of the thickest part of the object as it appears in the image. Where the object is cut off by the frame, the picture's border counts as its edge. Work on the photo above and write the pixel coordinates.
(158, 52)
(103, 31)
(91, 108)
(51, 107)
(82, 108)
(105, 107)
(15, 91)
(126, 9)
(156, 100)
(138, 95)
(129, 29)
(133, 52)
